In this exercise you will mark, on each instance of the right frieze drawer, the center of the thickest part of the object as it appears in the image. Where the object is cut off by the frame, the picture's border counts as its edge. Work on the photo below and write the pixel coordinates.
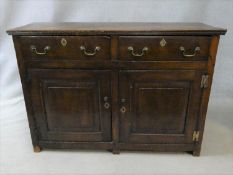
(168, 48)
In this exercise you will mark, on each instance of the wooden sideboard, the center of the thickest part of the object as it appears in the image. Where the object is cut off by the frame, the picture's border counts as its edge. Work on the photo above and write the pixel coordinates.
(117, 86)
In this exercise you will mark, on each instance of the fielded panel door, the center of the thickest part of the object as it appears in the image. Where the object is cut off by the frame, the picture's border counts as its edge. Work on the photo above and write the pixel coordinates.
(158, 106)
(71, 105)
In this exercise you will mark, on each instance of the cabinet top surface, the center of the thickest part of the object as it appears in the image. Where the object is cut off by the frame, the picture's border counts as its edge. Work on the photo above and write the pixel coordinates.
(80, 28)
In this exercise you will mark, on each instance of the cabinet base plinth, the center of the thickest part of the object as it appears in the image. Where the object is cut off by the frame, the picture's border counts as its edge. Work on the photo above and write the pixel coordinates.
(196, 153)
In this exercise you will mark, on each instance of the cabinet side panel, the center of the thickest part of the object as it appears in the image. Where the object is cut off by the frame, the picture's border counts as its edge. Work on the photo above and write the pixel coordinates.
(25, 81)
(206, 93)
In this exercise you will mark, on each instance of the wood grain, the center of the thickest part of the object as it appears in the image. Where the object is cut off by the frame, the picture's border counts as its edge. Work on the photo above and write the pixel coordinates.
(75, 101)
(133, 28)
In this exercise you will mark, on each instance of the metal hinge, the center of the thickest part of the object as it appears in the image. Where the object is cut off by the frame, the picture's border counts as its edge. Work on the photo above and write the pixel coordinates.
(204, 81)
(196, 136)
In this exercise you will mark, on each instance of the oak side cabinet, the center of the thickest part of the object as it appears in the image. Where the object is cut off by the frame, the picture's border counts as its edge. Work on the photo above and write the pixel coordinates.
(117, 86)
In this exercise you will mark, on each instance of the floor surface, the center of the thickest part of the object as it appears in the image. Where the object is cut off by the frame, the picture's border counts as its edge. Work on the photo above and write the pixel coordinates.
(17, 157)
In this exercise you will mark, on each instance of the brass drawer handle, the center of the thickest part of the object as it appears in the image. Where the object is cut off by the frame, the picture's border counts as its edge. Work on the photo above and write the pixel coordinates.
(46, 49)
(182, 49)
(131, 50)
(123, 109)
(83, 48)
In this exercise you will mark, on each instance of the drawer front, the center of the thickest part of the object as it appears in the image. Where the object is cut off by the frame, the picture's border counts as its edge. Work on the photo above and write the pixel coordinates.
(65, 47)
(152, 48)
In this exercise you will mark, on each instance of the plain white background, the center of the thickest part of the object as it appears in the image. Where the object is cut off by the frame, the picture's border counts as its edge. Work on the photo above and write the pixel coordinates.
(16, 156)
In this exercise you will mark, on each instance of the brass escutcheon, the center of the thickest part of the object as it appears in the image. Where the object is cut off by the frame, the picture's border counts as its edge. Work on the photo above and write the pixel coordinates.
(123, 109)
(63, 42)
(163, 42)
(106, 105)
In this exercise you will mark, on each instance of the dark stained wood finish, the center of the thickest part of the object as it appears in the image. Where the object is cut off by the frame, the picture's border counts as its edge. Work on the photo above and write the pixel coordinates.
(170, 51)
(116, 28)
(69, 104)
(197, 65)
(161, 106)
(71, 51)
(156, 147)
(75, 101)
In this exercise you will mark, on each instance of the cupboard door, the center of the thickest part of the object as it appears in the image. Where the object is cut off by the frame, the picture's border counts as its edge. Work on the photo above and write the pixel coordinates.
(71, 105)
(158, 106)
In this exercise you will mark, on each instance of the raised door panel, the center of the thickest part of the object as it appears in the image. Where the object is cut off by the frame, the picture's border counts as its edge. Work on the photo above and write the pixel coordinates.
(160, 106)
(69, 104)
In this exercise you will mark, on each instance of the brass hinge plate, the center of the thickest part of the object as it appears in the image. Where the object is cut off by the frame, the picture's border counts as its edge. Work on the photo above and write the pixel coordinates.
(196, 136)
(204, 81)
